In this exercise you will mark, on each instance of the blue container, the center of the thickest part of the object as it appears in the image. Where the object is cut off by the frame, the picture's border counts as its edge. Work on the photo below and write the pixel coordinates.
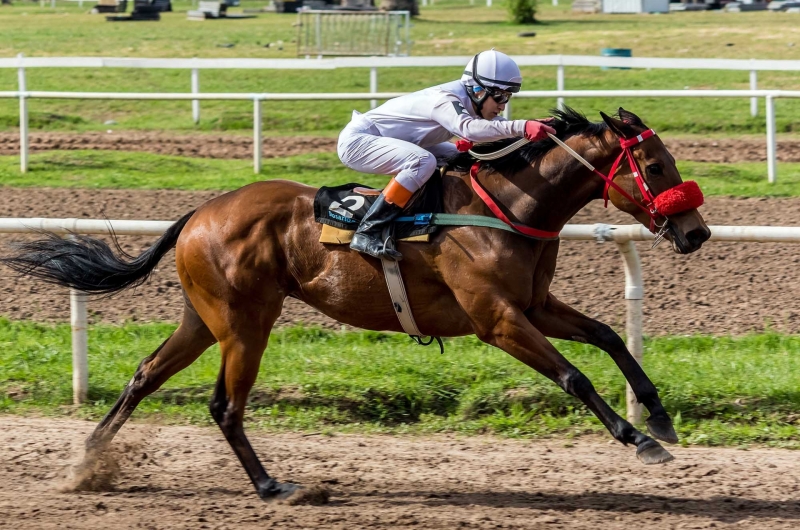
(615, 52)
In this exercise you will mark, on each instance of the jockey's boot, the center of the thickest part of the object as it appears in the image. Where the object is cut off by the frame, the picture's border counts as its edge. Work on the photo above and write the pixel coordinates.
(369, 238)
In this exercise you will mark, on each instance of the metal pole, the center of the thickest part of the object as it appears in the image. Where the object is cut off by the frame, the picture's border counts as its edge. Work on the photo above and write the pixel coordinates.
(23, 118)
(753, 86)
(560, 83)
(257, 140)
(771, 156)
(373, 86)
(318, 34)
(408, 33)
(634, 293)
(195, 90)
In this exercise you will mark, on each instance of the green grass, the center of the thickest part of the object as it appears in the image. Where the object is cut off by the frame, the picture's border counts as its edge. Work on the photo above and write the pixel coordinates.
(451, 28)
(129, 170)
(721, 391)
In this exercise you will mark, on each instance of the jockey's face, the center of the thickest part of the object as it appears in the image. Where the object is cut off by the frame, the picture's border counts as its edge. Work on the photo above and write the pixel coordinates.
(491, 109)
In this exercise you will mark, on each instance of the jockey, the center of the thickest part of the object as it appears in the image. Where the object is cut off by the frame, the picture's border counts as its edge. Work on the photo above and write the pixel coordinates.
(406, 136)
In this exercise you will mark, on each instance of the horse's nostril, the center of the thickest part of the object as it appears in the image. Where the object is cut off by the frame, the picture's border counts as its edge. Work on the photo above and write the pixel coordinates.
(698, 236)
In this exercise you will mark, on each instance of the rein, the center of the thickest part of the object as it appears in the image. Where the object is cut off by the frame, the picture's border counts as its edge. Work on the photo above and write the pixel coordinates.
(680, 198)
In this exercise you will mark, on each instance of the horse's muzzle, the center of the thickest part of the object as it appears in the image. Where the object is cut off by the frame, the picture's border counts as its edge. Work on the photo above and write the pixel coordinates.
(689, 242)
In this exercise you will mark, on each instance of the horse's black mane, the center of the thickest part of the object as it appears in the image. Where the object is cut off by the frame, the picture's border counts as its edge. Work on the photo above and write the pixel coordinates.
(566, 122)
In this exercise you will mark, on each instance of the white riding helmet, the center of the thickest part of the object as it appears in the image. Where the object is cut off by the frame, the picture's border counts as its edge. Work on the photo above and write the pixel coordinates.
(495, 69)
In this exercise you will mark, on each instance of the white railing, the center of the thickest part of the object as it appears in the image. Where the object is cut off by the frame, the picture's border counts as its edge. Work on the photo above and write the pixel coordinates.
(753, 66)
(24, 95)
(622, 235)
(373, 63)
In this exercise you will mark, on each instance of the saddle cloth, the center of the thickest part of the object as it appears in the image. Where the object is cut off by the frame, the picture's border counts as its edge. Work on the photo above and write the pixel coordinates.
(341, 208)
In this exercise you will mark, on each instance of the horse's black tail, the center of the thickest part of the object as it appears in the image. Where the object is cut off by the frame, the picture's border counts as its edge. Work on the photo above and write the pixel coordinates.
(89, 264)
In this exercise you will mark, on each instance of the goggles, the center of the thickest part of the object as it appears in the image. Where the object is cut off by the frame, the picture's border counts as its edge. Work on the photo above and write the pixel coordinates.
(499, 96)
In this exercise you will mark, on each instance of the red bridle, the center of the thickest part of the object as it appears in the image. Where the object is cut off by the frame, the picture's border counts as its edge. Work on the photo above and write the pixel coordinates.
(680, 198)
(685, 196)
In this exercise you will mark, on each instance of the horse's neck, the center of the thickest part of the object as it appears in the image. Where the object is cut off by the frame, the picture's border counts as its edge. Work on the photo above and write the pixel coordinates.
(544, 200)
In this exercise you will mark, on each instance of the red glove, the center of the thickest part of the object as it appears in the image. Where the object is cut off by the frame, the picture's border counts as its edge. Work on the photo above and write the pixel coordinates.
(535, 131)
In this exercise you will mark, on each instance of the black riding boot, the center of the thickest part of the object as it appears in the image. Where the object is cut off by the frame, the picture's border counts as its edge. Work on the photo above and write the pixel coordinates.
(369, 237)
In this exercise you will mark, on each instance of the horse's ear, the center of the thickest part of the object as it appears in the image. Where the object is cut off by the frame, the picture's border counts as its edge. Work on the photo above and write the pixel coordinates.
(629, 117)
(621, 128)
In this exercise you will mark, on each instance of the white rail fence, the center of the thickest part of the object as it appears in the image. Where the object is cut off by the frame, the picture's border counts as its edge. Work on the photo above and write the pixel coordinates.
(622, 235)
(373, 63)
(257, 99)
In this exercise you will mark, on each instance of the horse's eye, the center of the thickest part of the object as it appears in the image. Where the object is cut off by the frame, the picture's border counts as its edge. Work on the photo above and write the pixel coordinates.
(654, 169)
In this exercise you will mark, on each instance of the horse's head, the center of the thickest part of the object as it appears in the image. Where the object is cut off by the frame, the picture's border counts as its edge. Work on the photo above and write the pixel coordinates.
(676, 202)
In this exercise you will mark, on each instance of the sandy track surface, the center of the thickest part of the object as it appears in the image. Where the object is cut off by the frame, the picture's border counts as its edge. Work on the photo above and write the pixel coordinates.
(723, 288)
(240, 147)
(197, 146)
(186, 477)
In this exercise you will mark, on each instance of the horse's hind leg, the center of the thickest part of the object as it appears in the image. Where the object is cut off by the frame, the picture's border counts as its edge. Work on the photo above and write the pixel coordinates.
(180, 350)
(243, 338)
(559, 321)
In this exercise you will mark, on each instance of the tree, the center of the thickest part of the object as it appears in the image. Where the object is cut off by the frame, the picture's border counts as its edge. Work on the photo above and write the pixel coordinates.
(522, 11)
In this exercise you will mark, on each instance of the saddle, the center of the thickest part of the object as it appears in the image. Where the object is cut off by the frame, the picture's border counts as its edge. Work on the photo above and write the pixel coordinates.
(340, 209)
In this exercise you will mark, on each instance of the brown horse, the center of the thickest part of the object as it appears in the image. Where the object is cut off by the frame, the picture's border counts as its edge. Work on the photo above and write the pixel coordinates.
(241, 254)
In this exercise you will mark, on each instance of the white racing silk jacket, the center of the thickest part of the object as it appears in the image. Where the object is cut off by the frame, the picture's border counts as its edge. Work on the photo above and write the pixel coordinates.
(436, 114)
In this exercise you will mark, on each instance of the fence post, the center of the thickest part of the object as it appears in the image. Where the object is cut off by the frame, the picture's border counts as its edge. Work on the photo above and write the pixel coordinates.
(23, 118)
(634, 293)
(373, 86)
(753, 86)
(80, 342)
(488, 3)
(195, 90)
(80, 345)
(771, 142)
(560, 83)
(257, 140)
(507, 111)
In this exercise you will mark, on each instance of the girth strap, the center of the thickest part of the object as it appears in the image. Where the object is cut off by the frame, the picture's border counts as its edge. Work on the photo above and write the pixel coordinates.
(455, 219)
(394, 281)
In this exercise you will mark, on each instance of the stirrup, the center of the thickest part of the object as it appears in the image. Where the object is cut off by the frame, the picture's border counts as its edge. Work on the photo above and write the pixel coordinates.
(389, 251)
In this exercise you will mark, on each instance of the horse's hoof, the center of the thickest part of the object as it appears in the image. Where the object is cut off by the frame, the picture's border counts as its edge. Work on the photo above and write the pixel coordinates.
(278, 491)
(651, 452)
(662, 429)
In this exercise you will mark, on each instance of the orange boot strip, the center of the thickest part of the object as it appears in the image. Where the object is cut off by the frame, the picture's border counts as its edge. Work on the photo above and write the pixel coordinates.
(396, 194)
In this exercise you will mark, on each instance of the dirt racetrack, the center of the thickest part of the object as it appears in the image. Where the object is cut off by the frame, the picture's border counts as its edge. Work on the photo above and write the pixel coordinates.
(187, 477)
(723, 288)
(727, 150)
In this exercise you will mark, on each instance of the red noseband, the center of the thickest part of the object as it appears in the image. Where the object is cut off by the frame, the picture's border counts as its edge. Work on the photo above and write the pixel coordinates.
(683, 197)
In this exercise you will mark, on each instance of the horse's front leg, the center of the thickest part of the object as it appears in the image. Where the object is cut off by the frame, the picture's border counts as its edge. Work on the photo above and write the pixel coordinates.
(505, 326)
(557, 320)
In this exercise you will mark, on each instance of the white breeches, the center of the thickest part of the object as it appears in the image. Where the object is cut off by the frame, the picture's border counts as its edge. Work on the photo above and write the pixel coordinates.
(362, 148)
